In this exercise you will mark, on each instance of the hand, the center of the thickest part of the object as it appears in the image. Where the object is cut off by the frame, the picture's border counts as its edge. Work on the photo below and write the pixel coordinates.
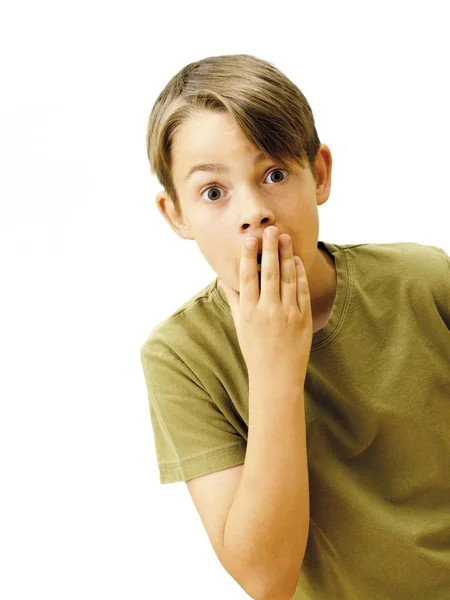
(274, 327)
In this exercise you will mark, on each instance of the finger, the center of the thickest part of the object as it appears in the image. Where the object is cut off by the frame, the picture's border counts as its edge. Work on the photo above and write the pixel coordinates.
(303, 296)
(270, 268)
(248, 275)
(289, 274)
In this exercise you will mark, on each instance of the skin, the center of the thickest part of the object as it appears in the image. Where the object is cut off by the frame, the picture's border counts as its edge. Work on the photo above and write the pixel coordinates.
(245, 201)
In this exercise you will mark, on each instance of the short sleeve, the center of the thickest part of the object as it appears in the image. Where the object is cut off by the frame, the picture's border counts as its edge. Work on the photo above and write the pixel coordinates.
(442, 286)
(192, 436)
(447, 259)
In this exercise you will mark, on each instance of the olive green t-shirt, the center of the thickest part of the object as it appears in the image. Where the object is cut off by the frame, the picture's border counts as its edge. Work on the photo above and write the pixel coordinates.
(377, 408)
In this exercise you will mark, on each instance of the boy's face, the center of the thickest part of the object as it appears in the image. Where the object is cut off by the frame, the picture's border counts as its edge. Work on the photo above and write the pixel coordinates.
(244, 200)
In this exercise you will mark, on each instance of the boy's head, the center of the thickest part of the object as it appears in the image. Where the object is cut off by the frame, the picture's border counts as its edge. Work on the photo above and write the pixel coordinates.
(228, 110)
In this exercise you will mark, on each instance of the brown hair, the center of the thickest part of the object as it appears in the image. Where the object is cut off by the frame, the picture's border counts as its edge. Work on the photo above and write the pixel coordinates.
(271, 111)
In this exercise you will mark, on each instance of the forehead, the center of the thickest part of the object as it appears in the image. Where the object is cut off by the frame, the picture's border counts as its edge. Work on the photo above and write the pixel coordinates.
(209, 138)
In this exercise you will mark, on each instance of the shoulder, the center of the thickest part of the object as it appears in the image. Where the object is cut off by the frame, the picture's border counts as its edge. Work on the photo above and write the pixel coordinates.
(412, 257)
(422, 271)
(188, 323)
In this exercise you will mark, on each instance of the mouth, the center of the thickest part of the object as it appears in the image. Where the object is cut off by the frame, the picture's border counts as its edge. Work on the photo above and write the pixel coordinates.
(259, 258)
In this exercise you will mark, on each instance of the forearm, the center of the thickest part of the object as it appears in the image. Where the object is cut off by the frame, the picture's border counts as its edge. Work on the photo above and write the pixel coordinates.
(267, 526)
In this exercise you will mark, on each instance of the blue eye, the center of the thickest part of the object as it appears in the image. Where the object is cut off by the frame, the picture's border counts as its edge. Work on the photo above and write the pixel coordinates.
(216, 187)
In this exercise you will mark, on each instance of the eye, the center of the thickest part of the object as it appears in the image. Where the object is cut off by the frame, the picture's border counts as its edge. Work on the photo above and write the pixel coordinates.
(216, 187)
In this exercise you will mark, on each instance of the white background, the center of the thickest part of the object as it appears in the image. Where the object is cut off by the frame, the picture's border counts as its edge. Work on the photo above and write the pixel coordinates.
(88, 265)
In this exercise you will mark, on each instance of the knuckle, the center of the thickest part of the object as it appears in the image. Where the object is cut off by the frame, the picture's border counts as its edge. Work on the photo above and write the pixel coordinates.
(272, 313)
(269, 274)
(247, 276)
(247, 314)
(289, 277)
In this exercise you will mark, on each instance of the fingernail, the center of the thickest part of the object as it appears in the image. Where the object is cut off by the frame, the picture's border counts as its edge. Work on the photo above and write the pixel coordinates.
(284, 240)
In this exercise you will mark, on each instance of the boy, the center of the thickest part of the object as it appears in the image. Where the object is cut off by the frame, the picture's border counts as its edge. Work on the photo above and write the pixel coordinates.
(306, 403)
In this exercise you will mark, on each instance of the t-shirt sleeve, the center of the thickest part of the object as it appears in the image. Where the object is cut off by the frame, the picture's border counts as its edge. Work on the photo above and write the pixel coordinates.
(446, 256)
(442, 284)
(192, 436)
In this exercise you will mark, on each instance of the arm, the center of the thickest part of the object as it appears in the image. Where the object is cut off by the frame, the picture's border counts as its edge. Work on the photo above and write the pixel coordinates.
(267, 527)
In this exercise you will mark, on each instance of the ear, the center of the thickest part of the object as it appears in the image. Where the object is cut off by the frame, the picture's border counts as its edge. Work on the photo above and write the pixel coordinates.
(324, 163)
(175, 218)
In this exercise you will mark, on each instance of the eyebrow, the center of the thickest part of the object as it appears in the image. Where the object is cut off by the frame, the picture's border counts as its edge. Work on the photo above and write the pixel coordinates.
(217, 167)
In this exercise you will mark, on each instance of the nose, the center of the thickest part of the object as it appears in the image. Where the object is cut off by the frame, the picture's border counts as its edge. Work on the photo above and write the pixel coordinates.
(255, 211)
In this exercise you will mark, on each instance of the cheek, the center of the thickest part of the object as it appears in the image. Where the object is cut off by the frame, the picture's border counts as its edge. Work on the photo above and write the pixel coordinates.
(223, 261)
